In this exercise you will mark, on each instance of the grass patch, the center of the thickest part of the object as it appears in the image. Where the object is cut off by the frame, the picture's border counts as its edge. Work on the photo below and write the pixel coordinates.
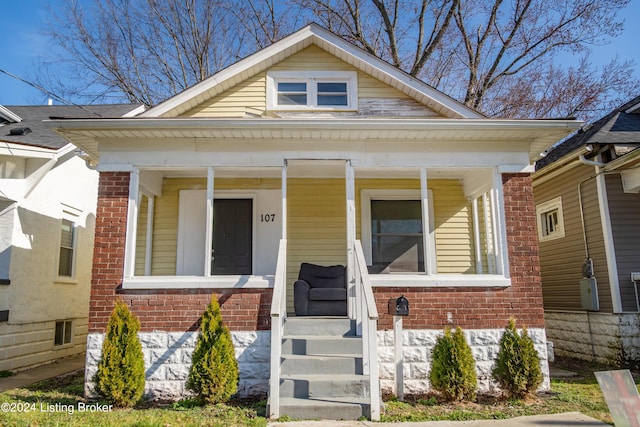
(59, 401)
(580, 393)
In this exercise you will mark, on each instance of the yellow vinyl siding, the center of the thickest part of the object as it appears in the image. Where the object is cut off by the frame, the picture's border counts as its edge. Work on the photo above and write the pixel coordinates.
(561, 259)
(165, 231)
(316, 226)
(249, 97)
(141, 236)
(317, 221)
(454, 228)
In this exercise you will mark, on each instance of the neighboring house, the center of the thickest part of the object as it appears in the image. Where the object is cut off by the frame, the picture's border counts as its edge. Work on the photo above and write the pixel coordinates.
(588, 208)
(314, 151)
(47, 217)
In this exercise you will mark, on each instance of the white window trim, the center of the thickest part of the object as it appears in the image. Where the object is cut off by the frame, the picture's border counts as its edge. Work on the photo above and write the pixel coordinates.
(226, 194)
(545, 207)
(421, 280)
(367, 195)
(311, 77)
(71, 214)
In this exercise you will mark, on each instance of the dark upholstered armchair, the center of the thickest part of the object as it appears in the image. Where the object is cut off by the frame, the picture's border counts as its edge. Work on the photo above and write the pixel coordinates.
(320, 291)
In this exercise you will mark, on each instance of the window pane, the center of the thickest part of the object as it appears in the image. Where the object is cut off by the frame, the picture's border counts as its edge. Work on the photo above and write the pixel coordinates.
(292, 87)
(292, 99)
(65, 266)
(59, 336)
(332, 99)
(66, 234)
(549, 222)
(396, 231)
(67, 332)
(332, 87)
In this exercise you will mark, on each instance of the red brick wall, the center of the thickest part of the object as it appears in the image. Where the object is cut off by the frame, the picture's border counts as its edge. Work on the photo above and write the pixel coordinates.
(173, 310)
(473, 308)
(179, 310)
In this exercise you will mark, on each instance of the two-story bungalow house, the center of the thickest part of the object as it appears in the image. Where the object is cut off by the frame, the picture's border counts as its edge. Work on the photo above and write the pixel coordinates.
(312, 151)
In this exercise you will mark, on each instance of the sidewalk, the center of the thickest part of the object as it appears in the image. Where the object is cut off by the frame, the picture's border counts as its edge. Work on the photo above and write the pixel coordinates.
(67, 365)
(565, 419)
(33, 375)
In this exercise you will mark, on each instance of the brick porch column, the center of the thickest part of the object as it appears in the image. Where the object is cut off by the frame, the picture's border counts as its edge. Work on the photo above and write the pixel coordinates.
(109, 246)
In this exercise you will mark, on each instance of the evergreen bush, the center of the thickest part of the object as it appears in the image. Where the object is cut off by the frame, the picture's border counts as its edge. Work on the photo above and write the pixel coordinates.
(214, 371)
(453, 368)
(120, 376)
(517, 368)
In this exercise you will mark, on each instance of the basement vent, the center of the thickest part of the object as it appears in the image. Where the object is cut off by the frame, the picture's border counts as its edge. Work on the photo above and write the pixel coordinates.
(19, 131)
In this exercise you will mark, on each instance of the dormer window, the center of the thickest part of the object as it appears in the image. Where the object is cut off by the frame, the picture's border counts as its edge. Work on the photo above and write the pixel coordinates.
(319, 90)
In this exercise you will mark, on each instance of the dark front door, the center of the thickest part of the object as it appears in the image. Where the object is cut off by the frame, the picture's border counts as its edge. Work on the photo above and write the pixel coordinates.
(232, 236)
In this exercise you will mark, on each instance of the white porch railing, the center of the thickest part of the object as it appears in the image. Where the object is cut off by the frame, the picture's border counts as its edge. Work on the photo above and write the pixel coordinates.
(278, 316)
(366, 325)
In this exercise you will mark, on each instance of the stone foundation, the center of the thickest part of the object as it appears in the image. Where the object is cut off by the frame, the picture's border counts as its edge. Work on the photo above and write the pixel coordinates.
(168, 359)
(612, 339)
(417, 346)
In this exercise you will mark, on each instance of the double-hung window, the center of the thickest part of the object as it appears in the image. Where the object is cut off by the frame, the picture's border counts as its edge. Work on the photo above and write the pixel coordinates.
(319, 90)
(68, 244)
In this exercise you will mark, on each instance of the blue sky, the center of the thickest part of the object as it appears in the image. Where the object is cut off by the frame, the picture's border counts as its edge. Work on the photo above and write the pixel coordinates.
(21, 23)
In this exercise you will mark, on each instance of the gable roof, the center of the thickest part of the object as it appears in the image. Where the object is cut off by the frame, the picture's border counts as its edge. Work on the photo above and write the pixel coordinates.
(335, 45)
(38, 135)
(620, 126)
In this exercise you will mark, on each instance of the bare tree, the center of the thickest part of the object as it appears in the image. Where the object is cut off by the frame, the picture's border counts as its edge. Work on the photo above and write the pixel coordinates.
(505, 58)
(267, 21)
(504, 39)
(145, 50)
(405, 33)
(493, 50)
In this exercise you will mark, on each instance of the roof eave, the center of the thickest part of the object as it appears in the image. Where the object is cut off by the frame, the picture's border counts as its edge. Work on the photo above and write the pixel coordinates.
(79, 131)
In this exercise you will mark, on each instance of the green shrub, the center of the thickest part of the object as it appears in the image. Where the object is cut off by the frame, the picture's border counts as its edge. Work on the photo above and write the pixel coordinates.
(214, 371)
(517, 368)
(120, 376)
(453, 368)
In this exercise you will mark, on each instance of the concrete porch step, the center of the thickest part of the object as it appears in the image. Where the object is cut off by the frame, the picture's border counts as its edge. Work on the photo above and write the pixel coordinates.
(321, 345)
(321, 365)
(325, 408)
(311, 325)
(321, 386)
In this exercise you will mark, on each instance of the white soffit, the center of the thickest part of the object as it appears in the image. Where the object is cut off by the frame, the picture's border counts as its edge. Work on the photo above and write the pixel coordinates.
(88, 134)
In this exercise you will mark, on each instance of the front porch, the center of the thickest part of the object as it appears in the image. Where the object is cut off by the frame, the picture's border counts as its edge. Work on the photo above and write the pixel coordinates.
(175, 238)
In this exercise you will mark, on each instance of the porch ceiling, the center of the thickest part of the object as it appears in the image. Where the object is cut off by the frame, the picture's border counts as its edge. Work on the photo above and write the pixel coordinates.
(537, 134)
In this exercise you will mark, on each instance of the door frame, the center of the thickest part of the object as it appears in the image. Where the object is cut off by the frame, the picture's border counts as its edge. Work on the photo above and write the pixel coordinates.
(224, 194)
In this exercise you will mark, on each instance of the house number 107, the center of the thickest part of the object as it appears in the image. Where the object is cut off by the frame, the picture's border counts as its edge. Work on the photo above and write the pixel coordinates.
(267, 217)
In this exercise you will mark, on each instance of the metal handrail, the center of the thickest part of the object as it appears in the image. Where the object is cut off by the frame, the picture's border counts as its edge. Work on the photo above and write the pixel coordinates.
(367, 315)
(278, 316)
